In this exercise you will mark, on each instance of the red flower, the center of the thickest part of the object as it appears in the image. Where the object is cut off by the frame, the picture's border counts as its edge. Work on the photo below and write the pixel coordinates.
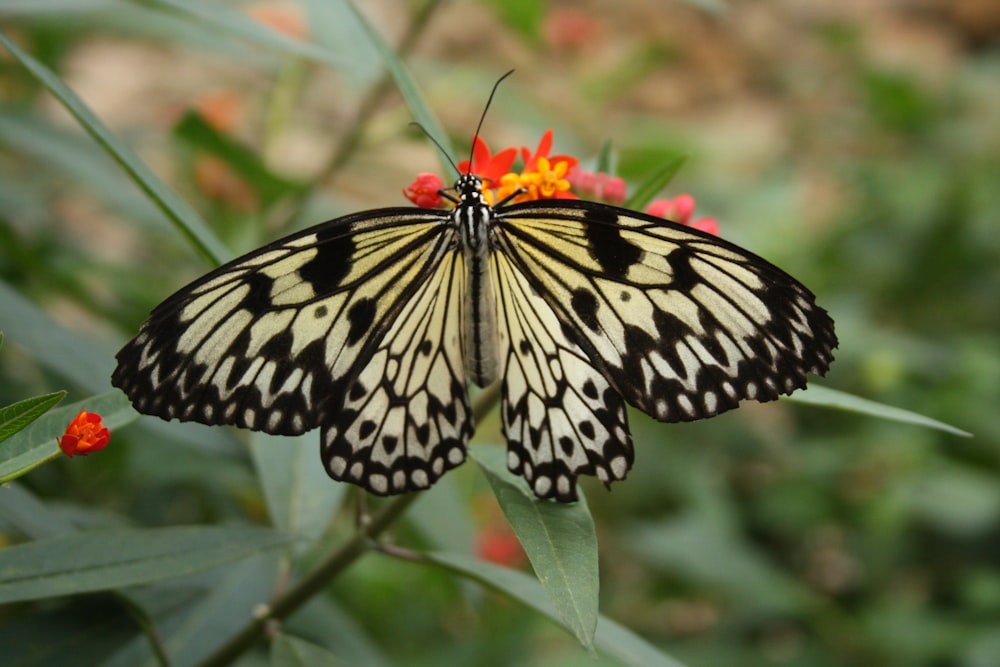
(487, 166)
(498, 544)
(598, 185)
(568, 28)
(613, 190)
(680, 209)
(425, 190)
(84, 435)
(707, 225)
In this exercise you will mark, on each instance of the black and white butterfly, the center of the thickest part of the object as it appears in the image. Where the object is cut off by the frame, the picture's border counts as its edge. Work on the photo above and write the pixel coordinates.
(371, 326)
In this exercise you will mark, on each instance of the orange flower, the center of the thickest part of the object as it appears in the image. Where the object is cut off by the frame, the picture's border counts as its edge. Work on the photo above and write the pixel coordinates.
(548, 181)
(544, 176)
(84, 435)
(544, 146)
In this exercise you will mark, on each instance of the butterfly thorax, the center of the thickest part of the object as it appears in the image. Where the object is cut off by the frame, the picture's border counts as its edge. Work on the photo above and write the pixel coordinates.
(472, 216)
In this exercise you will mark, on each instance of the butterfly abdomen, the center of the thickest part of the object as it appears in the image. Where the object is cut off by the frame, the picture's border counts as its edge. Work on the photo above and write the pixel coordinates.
(473, 217)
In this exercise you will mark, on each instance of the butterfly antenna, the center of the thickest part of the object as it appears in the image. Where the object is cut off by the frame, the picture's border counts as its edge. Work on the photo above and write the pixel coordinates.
(483, 117)
(437, 143)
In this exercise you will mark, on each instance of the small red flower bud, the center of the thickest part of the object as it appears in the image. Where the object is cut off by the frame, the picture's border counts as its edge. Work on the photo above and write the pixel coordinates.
(683, 209)
(660, 208)
(707, 225)
(425, 190)
(85, 435)
(613, 190)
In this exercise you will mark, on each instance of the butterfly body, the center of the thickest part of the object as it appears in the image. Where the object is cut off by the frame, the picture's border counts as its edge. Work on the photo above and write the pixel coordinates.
(473, 217)
(370, 327)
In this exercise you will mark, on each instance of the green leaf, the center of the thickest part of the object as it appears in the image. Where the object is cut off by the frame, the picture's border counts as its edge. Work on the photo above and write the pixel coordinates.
(243, 161)
(288, 651)
(196, 631)
(103, 560)
(28, 514)
(240, 24)
(71, 355)
(57, 148)
(15, 417)
(407, 87)
(338, 630)
(560, 541)
(301, 497)
(832, 398)
(605, 159)
(36, 444)
(610, 638)
(175, 208)
(35, 7)
(655, 183)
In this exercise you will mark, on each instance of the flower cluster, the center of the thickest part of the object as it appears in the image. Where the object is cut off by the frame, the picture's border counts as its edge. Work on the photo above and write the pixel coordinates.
(85, 435)
(544, 176)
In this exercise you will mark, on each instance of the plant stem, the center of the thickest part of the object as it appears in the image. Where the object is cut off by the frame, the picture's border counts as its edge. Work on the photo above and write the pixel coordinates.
(305, 589)
(147, 626)
(314, 582)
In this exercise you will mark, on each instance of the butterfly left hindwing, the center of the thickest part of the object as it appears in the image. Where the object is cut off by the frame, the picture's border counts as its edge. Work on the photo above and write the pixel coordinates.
(405, 418)
(560, 416)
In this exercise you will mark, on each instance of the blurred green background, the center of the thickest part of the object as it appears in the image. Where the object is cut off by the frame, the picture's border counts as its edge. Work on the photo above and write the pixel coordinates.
(854, 144)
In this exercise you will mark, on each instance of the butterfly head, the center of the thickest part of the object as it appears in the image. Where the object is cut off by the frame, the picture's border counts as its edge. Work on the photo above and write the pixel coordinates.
(470, 190)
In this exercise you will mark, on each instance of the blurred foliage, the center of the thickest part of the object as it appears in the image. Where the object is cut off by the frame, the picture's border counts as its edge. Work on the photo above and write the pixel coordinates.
(854, 146)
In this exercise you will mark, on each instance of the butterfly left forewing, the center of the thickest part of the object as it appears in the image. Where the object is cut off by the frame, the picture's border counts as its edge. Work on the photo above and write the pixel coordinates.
(264, 340)
(683, 324)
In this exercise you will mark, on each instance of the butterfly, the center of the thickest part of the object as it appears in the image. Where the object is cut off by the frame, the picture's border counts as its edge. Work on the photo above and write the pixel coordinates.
(371, 327)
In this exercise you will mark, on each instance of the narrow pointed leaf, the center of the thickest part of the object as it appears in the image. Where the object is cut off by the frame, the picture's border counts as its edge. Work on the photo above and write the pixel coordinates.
(301, 497)
(175, 208)
(289, 651)
(560, 541)
(611, 638)
(15, 417)
(104, 560)
(832, 398)
(406, 85)
(655, 183)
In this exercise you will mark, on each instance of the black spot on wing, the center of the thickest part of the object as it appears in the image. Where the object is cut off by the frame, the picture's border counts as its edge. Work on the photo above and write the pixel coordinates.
(258, 298)
(361, 316)
(585, 305)
(327, 270)
(684, 276)
(606, 245)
